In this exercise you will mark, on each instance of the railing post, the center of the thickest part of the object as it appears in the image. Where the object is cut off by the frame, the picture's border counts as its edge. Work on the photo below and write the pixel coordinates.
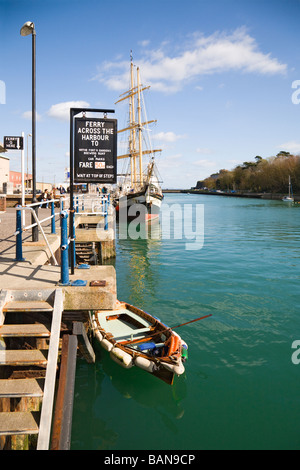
(77, 205)
(53, 218)
(73, 252)
(19, 250)
(64, 249)
(106, 216)
(82, 208)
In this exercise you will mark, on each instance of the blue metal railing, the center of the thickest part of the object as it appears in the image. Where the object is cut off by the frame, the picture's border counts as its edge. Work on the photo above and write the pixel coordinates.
(103, 201)
(20, 229)
(64, 249)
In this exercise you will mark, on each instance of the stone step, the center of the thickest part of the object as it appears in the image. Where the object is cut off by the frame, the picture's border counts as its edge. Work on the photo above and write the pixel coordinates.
(19, 423)
(17, 388)
(27, 357)
(28, 305)
(20, 330)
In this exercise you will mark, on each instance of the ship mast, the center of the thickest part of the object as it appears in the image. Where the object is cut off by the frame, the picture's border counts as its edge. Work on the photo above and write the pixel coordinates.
(134, 153)
(140, 127)
(132, 149)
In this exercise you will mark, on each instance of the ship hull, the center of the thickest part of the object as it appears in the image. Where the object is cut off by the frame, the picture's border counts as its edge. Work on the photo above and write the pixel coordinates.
(140, 204)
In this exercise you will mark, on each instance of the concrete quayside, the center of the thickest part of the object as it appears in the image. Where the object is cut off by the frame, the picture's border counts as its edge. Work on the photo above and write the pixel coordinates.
(45, 320)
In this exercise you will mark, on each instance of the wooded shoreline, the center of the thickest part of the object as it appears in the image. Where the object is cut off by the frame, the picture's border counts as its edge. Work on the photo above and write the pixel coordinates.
(268, 196)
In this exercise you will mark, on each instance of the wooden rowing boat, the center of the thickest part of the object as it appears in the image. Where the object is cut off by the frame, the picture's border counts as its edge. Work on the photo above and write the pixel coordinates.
(135, 338)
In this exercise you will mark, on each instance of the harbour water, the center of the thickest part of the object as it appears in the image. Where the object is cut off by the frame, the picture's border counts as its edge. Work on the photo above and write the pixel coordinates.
(241, 387)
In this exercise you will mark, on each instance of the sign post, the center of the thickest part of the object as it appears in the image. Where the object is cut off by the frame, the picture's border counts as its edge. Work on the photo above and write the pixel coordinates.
(93, 155)
(17, 143)
(23, 181)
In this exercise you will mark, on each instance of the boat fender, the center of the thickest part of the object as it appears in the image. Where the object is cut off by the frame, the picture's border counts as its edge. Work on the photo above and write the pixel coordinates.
(106, 345)
(184, 351)
(176, 334)
(97, 333)
(98, 336)
(176, 368)
(121, 357)
(144, 363)
(174, 342)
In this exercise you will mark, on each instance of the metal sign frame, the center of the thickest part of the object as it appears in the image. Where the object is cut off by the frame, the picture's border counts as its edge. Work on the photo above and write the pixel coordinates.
(13, 142)
(95, 152)
(74, 112)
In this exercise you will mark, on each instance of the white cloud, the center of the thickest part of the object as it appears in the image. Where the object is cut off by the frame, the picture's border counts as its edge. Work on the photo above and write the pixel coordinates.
(172, 161)
(28, 115)
(168, 136)
(205, 164)
(144, 43)
(204, 151)
(292, 147)
(61, 111)
(219, 52)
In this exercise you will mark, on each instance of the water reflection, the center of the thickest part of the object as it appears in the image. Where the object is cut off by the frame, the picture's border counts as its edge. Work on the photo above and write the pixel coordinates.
(145, 390)
(142, 257)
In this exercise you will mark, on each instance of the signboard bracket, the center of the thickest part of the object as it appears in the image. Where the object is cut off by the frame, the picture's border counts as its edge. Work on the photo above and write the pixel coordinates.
(75, 112)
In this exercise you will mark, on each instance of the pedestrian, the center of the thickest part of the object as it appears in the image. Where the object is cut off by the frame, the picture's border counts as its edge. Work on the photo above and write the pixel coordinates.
(44, 197)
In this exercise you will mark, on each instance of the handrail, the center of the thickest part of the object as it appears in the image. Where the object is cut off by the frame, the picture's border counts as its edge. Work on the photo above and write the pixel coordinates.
(38, 222)
(103, 199)
(49, 389)
(20, 229)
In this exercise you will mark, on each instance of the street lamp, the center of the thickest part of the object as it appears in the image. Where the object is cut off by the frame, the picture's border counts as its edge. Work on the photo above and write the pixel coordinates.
(27, 29)
(27, 185)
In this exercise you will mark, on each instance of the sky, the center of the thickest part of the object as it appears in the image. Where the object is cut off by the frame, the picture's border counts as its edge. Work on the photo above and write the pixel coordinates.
(224, 77)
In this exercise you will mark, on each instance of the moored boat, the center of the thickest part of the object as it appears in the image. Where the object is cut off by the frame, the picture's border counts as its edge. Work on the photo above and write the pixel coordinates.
(133, 337)
(290, 197)
(140, 186)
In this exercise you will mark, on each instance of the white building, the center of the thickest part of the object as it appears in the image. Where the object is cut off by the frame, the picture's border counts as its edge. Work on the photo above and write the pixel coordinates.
(4, 168)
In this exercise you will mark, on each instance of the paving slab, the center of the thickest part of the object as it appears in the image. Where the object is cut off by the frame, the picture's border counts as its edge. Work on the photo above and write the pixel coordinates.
(24, 276)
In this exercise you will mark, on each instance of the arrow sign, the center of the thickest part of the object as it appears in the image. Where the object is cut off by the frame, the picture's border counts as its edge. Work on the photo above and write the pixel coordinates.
(13, 143)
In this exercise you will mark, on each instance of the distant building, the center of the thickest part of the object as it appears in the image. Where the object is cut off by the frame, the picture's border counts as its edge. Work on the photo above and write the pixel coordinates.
(4, 170)
(15, 177)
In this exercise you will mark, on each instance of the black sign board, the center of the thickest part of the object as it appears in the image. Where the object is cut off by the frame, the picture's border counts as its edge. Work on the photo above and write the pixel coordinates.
(95, 152)
(13, 143)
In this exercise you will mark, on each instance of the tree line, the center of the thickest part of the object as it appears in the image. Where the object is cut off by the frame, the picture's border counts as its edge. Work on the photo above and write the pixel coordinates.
(269, 175)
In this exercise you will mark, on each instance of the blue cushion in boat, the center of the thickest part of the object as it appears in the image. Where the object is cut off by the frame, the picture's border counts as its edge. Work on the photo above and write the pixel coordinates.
(145, 346)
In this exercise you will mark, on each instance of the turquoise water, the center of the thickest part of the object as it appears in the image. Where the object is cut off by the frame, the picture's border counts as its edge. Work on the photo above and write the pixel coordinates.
(241, 388)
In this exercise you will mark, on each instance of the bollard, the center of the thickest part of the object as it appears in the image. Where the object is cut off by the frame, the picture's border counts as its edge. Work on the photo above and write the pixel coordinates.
(106, 216)
(19, 250)
(64, 249)
(53, 218)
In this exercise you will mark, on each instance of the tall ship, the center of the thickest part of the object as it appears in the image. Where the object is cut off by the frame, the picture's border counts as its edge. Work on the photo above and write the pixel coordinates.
(140, 183)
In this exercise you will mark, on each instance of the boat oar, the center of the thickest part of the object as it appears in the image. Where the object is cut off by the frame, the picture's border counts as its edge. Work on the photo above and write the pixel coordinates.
(191, 321)
(140, 340)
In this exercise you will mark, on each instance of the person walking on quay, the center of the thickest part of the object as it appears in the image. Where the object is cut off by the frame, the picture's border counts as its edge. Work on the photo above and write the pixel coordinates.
(44, 197)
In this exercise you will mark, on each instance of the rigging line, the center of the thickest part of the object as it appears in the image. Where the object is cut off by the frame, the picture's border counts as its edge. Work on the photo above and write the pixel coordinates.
(146, 120)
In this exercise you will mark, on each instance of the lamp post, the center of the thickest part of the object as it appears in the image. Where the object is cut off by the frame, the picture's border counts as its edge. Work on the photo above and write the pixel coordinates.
(28, 135)
(27, 29)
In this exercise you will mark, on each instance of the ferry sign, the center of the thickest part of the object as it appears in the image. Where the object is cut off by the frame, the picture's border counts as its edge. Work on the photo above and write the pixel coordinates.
(95, 150)
(13, 143)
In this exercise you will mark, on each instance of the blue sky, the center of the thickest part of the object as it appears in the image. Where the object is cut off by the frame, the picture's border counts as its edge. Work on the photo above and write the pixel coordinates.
(221, 75)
